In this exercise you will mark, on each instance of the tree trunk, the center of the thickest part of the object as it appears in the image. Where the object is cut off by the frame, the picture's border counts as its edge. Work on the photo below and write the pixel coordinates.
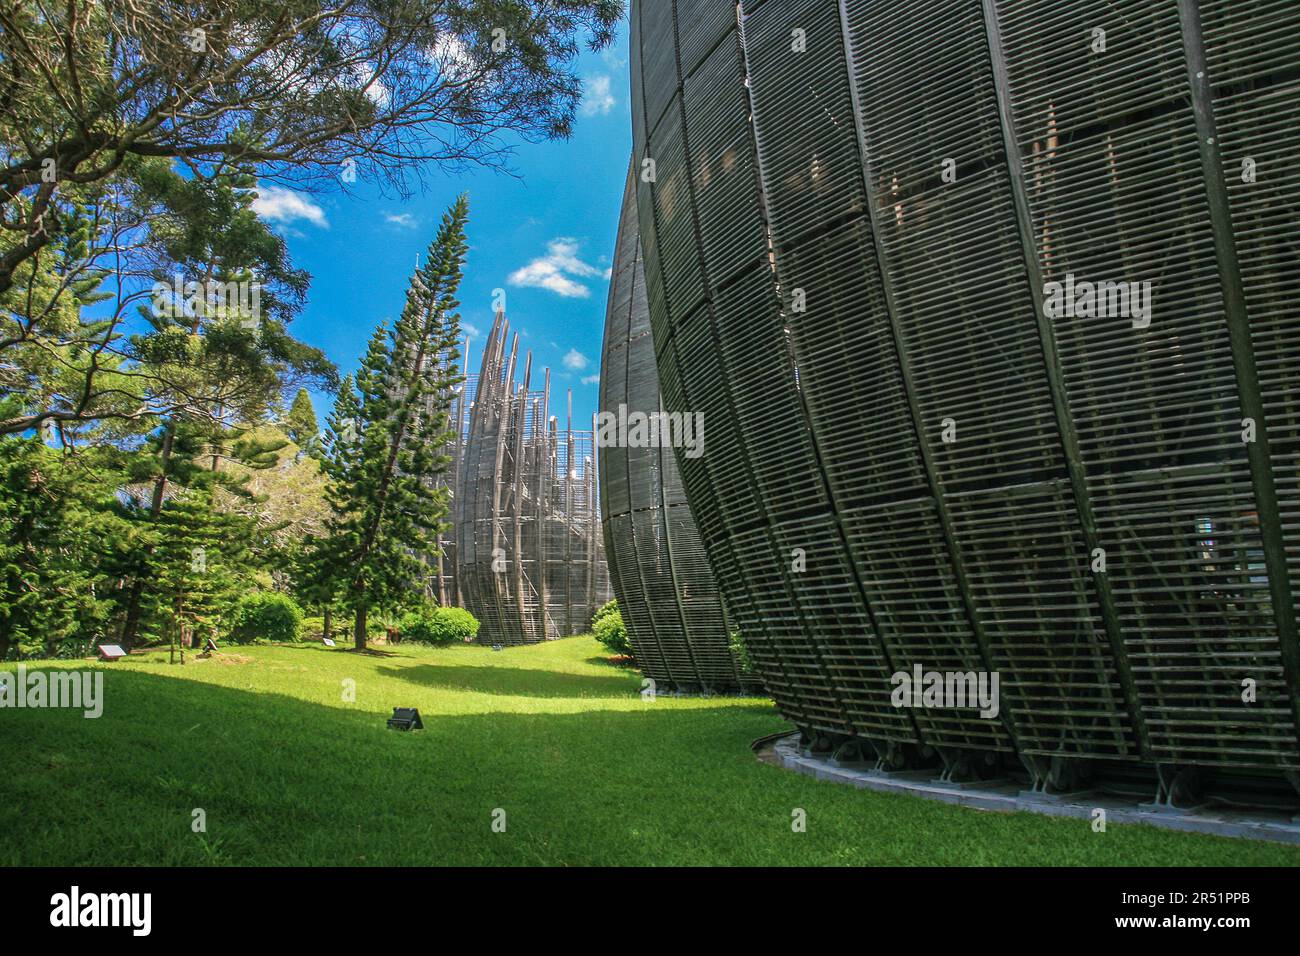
(131, 623)
(359, 634)
(217, 447)
(325, 624)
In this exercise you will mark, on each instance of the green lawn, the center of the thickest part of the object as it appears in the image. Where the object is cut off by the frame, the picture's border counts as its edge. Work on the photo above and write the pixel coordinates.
(587, 773)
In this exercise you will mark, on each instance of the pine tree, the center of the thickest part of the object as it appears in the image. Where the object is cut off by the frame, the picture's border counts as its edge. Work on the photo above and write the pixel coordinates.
(386, 436)
(301, 424)
(221, 370)
(201, 565)
(54, 532)
(318, 576)
(174, 514)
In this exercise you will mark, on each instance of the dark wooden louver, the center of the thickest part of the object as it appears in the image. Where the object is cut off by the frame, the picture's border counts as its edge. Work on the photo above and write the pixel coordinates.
(657, 565)
(853, 216)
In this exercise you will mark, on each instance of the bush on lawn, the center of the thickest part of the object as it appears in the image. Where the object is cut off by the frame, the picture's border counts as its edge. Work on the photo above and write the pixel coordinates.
(268, 615)
(741, 653)
(606, 609)
(438, 625)
(610, 630)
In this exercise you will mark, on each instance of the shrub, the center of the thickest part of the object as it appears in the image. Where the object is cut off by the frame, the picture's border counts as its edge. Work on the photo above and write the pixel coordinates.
(606, 609)
(438, 625)
(313, 627)
(741, 653)
(610, 630)
(266, 614)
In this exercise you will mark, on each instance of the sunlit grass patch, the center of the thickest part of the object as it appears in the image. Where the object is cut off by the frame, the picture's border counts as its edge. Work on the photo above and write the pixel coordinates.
(288, 770)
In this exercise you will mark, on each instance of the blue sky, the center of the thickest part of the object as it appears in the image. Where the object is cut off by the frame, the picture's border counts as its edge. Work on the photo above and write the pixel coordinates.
(546, 237)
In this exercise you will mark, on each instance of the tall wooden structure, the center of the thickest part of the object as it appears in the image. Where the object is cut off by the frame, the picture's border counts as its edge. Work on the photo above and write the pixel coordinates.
(530, 563)
(443, 582)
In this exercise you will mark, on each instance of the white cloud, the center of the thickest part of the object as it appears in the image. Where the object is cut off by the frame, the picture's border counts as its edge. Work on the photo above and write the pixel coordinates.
(556, 270)
(473, 331)
(453, 59)
(598, 100)
(277, 204)
(591, 379)
(374, 89)
(575, 361)
(403, 219)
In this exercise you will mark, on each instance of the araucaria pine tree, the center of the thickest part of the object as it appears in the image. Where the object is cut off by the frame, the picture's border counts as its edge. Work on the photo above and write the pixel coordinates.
(300, 423)
(386, 439)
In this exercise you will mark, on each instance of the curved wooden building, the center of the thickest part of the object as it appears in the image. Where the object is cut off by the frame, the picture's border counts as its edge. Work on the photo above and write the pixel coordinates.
(991, 308)
(657, 564)
(530, 563)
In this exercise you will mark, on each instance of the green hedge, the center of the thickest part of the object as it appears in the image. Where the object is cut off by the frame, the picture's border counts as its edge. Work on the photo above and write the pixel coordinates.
(267, 615)
(438, 625)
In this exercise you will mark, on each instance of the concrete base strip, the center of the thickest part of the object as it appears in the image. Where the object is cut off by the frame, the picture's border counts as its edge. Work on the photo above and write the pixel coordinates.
(1007, 797)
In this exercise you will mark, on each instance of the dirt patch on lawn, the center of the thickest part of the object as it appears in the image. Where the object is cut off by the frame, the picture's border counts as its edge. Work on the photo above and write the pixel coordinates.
(224, 659)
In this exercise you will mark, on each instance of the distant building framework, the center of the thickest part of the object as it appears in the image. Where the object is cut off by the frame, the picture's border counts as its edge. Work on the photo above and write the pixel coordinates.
(529, 559)
(851, 233)
(658, 569)
(444, 580)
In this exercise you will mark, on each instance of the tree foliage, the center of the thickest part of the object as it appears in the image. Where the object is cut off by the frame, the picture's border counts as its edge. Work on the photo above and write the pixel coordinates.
(57, 561)
(305, 89)
(301, 425)
(171, 298)
(150, 474)
(385, 439)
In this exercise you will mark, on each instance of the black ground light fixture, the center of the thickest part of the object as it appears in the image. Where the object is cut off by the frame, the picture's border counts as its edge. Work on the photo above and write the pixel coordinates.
(405, 718)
